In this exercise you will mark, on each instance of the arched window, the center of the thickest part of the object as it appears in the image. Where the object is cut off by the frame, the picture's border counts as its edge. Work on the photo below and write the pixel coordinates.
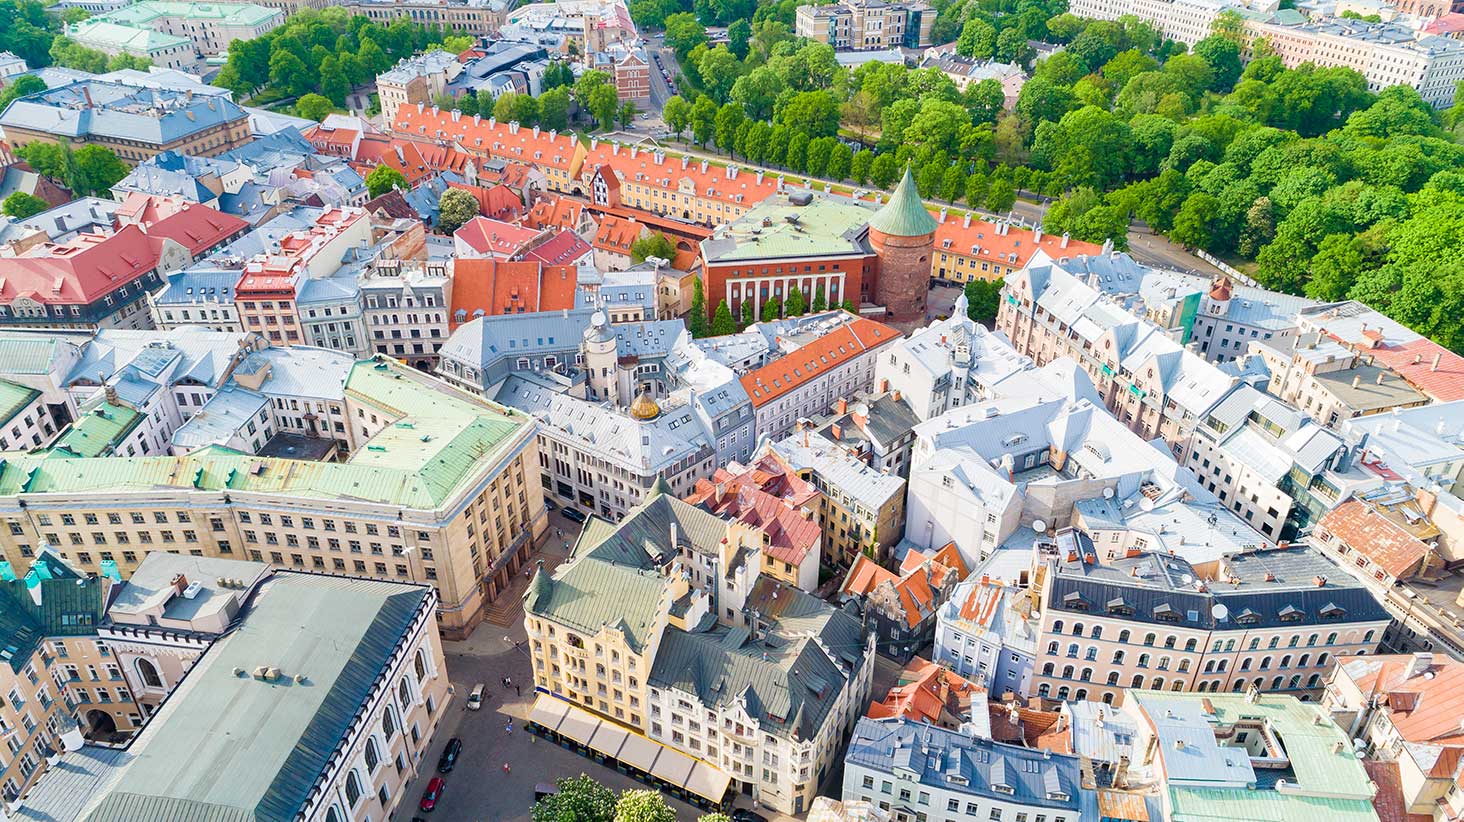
(1123, 636)
(1238, 685)
(1062, 693)
(1086, 676)
(1311, 641)
(404, 694)
(1313, 680)
(1043, 690)
(1221, 667)
(1163, 663)
(1184, 665)
(1090, 654)
(148, 673)
(1209, 666)
(1255, 643)
(1285, 661)
(1276, 683)
(1077, 629)
(1367, 637)
(353, 787)
(1052, 649)
(1072, 650)
(1229, 644)
(1138, 681)
(1169, 641)
(1275, 641)
(1047, 669)
(1067, 672)
(388, 724)
(1295, 682)
(1321, 660)
(1305, 658)
(1082, 694)
(373, 756)
(332, 814)
(1118, 657)
(1265, 663)
(1113, 677)
(421, 665)
(1143, 660)
(1295, 638)
(1332, 638)
(1096, 632)
(1177, 686)
(1108, 698)
(1158, 683)
(1057, 627)
(1149, 639)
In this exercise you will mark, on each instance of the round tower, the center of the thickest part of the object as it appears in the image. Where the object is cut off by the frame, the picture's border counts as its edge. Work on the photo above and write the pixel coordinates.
(1217, 303)
(600, 357)
(902, 234)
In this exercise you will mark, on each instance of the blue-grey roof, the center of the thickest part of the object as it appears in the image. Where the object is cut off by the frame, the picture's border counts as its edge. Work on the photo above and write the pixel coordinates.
(1258, 589)
(118, 111)
(330, 290)
(1036, 778)
(226, 413)
(230, 747)
(66, 787)
(83, 213)
(198, 285)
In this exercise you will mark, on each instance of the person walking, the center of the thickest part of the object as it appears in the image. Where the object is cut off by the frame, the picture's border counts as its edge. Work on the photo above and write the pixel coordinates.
(518, 690)
(507, 769)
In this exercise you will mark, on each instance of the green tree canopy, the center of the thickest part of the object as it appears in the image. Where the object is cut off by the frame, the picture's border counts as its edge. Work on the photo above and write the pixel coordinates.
(383, 179)
(21, 205)
(454, 208)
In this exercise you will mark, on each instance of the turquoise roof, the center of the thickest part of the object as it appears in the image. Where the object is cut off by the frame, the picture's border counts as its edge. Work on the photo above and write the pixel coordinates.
(904, 215)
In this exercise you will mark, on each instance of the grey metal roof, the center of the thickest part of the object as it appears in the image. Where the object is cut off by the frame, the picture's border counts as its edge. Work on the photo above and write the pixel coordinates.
(790, 676)
(1036, 778)
(66, 787)
(158, 570)
(230, 747)
(199, 285)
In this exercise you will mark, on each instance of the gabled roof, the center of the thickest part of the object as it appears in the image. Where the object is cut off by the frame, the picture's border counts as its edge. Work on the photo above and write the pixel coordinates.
(928, 692)
(563, 249)
(82, 270)
(1384, 542)
(494, 286)
(917, 588)
(198, 228)
(487, 236)
(855, 338)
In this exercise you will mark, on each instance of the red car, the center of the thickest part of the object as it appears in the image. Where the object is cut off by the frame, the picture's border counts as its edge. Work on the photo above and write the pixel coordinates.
(432, 794)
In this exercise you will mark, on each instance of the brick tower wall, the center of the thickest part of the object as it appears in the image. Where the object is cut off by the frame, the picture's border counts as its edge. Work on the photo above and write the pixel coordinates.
(904, 273)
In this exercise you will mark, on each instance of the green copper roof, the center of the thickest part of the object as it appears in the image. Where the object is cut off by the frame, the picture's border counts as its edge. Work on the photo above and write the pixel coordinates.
(98, 431)
(437, 442)
(66, 608)
(233, 14)
(13, 398)
(904, 215)
(226, 747)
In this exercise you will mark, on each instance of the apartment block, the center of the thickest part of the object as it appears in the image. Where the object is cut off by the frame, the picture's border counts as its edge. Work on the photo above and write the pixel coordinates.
(864, 25)
(1386, 54)
(864, 509)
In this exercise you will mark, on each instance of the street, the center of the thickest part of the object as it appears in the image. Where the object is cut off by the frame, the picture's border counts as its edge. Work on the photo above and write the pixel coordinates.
(478, 789)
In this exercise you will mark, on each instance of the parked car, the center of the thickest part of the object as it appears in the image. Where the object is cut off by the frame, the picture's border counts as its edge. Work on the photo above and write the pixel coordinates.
(744, 815)
(433, 793)
(449, 756)
(475, 698)
(574, 514)
(549, 503)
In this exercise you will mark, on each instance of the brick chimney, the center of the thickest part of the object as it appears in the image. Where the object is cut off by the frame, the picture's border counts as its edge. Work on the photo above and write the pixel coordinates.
(179, 583)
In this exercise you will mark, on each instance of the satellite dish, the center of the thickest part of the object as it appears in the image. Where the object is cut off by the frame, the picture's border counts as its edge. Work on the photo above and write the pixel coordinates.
(1186, 579)
(1108, 493)
(1219, 611)
(1039, 526)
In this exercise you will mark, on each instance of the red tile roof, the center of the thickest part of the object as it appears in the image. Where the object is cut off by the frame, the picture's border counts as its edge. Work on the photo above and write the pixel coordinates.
(487, 137)
(495, 237)
(791, 534)
(767, 475)
(1012, 248)
(494, 286)
(1388, 801)
(1424, 708)
(80, 271)
(198, 228)
(717, 182)
(918, 586)
(1414, 361)
(1376, 537)
(403, 155)
(554, 212)
(563, 248)
(496, 201)
(927, 692)
(828, 352)
(616, 234)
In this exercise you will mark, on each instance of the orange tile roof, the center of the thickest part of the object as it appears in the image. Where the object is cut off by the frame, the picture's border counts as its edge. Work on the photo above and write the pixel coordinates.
(403, 155)
(711, 180)
(1376, 537)
(927, 692)
(198, 228)
(564, 248)
(554, 212)
(1414, 362)
(1424, 708)
(487, 137)
(1013, 248)
(916, 588)
(828, 352)
(494, 286)
(616, 234)
(496, 201)
(767, 475)
(791, 535)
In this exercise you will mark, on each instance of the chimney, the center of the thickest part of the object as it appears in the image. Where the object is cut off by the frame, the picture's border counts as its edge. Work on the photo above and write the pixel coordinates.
(704, 166)
(837, 431)
(1437, 357)
(457, 115)
(1419, 664)
(1356, 381)
(1319, 581)
(1065, 238)
(843, 406)
(896, 395)
(1381, 374)
(720, 491)
(759, 176)
(884, 385)
(179, 583)
(86, 95)
(1037, 234)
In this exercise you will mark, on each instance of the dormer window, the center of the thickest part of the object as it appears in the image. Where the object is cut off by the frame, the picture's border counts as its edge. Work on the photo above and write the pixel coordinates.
(1291, 613)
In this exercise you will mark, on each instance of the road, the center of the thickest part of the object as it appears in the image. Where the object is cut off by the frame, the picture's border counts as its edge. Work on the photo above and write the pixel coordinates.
(661, 91)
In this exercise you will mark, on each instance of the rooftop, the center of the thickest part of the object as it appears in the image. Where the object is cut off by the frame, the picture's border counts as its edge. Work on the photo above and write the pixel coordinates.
(228, 14)
(853, 338)
(118, 111)
(256, 748)
(792, 225)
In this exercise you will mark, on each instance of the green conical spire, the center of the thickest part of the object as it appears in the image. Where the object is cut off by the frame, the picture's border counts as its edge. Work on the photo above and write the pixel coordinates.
(904, 215)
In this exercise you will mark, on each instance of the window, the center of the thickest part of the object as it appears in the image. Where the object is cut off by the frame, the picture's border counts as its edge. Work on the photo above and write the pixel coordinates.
(148, 673)
(373, 756)
(353, 788)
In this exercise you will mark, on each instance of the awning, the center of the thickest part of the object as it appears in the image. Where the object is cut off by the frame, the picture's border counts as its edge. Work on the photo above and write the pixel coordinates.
(548, 711)
(709, 781)
(639, 752)
(578, 725)
(674, 770)
(608, 739)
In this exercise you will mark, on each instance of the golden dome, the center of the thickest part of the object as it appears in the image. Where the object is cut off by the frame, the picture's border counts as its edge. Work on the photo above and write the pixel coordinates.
(645, 408)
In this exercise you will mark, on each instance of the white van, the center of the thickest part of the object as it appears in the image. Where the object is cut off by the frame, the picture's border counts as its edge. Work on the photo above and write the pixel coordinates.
(475, 699)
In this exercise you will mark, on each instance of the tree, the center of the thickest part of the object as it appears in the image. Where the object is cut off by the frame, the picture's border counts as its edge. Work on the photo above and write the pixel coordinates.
(21, 205)
(718, 68)
(654, 245)
(715, 817)
(884, 171)
(454, 208)
(814, 113)
(1000, 195)
(772, 309)
(95, 169)
(579, 798)
(703, 119)
(1223, 56)
(859, 167)
(1192, 225)
(643, 806)
(983, 298)
(739, 33)
(19, 87)
(841, 157)
(289, 74)
(677, 114)
(48, 159)
(797, 305)
(1012, 47)
(725, 124)
(625, 116)
(554, 108)
(978, 39)
(684, 33)
(604, 102)
(820, 302)
(722, 324)
(313, 106)
(383, 179)
(697, 319)
(849, 306)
